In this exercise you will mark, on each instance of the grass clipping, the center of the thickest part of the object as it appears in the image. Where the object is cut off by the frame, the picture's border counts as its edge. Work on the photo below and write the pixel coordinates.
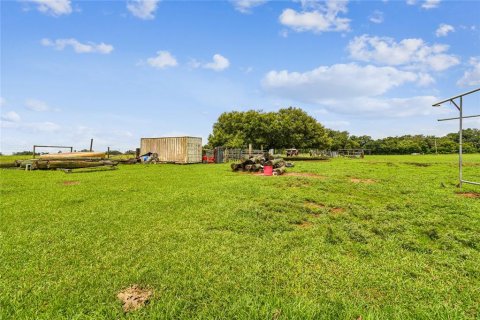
(134, 298)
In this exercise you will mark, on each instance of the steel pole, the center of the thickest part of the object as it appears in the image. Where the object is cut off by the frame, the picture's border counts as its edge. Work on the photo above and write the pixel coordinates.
(460, 160)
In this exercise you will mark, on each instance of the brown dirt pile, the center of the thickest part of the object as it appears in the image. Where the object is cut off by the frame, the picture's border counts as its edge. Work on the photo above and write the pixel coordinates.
(367, 181)
(134, 298)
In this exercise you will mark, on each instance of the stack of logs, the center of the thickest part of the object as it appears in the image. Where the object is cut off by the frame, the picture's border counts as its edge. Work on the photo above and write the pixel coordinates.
(256, 164)
(71, 160)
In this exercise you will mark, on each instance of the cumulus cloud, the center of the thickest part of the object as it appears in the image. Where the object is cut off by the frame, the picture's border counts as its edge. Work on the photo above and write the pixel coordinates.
(430, 4)
(321, 18)
(351, 89)
(163, 60)
(414, 53)
(386, 107)
(443, 30)
(376, 17)
(78, 47)
(336, 81)
(36, 105)
(245, 6)
(471, 77)
(427, 4)
(11, 116)
(219, 63)
(143, 9)
(53, 7)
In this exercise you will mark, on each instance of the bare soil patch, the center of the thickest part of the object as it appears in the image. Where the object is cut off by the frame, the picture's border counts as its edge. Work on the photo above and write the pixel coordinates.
(473, 195)
(304, 174)
(134, 297)
(70, 183)
(314, 205)
(337, 210)
(367, 181)
(305, 224)
(418, 164)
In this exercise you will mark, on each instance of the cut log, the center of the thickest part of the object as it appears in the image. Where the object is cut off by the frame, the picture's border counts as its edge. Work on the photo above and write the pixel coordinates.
(279, 171)
(56, 164)
(8, 165)
(98, 155)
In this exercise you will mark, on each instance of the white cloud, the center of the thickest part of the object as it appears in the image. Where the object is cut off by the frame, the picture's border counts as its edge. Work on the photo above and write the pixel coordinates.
(163, 60)
(471, 77)
(53, 7)
(245, 6)
(427, 4)
(3, 102)
(36, 105)
(11, 116)
(386, 107)
(351, 89)
(323, 18)
(443, 30)
(219, 63)
(424, 79)
(430, 4)
(413, 53)
(143, 9)
(336, 81)
(77, 46)
(376, 17)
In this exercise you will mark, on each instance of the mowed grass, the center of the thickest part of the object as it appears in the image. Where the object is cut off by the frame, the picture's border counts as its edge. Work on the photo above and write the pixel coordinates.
(385, 237)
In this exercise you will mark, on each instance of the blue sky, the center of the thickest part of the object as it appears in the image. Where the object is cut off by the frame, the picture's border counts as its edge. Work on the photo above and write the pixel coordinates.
(117, 71)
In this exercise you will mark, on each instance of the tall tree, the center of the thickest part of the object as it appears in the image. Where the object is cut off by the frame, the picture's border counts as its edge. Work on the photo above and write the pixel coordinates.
(290, 127)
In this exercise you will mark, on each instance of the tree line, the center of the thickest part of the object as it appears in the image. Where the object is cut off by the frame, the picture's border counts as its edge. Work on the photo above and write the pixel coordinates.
(294, 128)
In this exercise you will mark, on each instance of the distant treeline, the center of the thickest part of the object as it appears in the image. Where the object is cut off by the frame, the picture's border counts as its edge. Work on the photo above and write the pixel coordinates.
(408, 144)
(294, 128)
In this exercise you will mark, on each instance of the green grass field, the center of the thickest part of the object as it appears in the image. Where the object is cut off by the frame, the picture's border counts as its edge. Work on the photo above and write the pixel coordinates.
(386, 237)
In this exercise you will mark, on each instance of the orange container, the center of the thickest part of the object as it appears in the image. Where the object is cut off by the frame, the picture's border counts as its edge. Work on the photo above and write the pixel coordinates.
(267, 170)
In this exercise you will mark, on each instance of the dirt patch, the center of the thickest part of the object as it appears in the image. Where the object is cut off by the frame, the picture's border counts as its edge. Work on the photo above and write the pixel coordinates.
(418, 164)
(367, 181)
(304, 174)
(337, 210)
(473, 195)
(471, 164)
(134, 298)
(70, 183)
(314, 205)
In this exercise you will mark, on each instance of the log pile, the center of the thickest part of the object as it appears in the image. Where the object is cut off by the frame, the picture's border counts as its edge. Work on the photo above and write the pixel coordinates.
(71, 160)
(256, 164)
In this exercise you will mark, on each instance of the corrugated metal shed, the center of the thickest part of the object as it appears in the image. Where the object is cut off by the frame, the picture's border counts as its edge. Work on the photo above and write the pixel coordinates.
(174, 149)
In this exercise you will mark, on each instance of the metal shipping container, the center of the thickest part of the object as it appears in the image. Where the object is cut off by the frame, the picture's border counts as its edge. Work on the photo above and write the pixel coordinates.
(174, 149)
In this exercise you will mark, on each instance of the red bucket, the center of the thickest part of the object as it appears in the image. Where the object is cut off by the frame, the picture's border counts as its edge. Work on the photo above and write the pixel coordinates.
(267, 170)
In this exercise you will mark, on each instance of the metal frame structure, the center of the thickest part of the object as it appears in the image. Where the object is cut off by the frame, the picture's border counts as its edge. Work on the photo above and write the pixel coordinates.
(459, 107)
(59, 147)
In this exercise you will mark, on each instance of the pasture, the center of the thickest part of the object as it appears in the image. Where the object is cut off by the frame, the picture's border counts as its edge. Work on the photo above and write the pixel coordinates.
(385, 237)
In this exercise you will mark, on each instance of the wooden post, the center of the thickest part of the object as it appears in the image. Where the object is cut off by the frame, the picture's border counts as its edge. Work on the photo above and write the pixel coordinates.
(108, 152)
(250, 149)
